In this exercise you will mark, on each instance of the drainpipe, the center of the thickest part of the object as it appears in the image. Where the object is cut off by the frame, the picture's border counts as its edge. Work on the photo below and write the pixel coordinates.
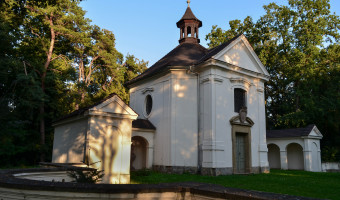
(199, 151)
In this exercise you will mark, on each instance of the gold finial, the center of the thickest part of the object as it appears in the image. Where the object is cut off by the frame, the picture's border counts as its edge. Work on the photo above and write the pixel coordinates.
(188, 1)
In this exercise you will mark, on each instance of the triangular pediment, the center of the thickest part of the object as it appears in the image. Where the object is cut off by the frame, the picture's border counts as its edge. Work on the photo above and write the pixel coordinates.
(241, 54)
(315, 133)
(114, 105)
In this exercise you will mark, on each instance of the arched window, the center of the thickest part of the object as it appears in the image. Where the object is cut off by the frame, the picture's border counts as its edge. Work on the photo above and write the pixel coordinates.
(239, 99)
(189, 31)
(148, 104)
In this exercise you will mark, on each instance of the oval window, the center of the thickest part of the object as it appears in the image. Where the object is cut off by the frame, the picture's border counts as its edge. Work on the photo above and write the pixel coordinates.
(148, 104)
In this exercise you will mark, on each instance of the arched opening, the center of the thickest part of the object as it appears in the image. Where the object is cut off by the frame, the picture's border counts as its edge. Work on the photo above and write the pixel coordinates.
(274, 156)
(138, 153)
(182, 36)
(189, 31)
(196, 36)
(295, 156)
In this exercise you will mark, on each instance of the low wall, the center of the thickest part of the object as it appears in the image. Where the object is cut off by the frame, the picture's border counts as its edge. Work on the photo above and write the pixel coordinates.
(330, 167)
(19, 184)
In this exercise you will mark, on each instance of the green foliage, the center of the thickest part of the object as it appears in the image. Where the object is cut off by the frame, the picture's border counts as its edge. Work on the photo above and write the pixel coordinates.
(299, 45)
(81, 176)
(52, 61)
(330, 154)
(142, 172)
(301, 183)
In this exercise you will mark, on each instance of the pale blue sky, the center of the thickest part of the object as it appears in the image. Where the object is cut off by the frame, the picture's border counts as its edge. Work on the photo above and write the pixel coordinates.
(147, 28)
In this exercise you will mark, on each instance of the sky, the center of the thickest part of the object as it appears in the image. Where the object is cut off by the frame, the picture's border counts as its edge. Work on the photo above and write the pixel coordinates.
(147, 28)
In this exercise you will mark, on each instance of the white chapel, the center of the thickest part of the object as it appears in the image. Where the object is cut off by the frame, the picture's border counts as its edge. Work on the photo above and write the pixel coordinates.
(207, 107)
(196, 110)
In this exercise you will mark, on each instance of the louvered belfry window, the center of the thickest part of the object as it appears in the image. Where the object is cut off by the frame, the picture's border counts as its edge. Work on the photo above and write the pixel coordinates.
(239, 99)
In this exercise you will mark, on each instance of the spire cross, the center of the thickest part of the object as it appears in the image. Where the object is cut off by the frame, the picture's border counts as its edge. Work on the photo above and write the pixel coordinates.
(188, 1)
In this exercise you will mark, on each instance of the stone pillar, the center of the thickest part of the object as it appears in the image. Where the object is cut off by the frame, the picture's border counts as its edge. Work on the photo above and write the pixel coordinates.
(264, 164)
(284, 160)
(307, 155)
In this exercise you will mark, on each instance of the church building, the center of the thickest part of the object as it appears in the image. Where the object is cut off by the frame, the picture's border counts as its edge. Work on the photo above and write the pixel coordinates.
(207, 106)
(196, 110)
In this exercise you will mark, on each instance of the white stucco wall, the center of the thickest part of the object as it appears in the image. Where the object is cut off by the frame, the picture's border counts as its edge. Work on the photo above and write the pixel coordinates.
(184, 120)
(69, 140)
(217, 108)
(109, 145)
(148, 135)
(174, 114)
(160, 91)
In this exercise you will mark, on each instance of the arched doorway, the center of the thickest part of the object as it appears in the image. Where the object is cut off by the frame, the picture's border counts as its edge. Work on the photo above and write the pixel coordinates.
(295, 156)
(138, 153)
(274, 156)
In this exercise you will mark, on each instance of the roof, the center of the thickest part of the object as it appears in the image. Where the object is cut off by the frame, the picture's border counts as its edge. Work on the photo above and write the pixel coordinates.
(81, 111)
(212, 52)
(293, 132)
(189, 15)
(143, 123)
(185, 54)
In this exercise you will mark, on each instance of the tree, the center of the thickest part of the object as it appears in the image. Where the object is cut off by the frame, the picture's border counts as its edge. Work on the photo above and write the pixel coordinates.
(299, 45)
(52, 61)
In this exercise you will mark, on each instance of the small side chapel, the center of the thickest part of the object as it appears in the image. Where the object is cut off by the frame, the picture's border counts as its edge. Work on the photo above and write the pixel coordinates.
(195, 110)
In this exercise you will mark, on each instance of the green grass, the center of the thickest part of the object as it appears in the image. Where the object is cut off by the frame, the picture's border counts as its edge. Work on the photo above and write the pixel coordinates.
(300, 183)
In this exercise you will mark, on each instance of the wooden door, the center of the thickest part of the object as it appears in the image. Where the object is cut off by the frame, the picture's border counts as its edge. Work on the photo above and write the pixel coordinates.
(240, 153)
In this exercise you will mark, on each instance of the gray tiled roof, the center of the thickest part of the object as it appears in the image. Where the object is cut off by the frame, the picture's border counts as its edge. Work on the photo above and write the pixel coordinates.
(143, 123)
(293, 132)
(185, 54)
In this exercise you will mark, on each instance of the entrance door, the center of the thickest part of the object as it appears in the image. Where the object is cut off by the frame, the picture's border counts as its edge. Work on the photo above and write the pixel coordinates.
(240, 153)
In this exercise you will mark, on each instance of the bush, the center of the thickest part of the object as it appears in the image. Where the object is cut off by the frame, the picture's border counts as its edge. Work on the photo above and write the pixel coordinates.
(330, 154)
(81, 176)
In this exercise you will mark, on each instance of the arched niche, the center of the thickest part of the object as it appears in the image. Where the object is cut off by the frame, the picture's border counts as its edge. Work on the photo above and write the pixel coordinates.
(274, 156)
(295, 156)
(139, 155)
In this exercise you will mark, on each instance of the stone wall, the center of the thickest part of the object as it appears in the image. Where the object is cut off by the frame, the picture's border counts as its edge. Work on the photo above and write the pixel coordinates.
(331, 167)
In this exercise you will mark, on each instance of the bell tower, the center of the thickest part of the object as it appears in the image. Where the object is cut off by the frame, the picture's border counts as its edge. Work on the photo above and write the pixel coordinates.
(189, 26)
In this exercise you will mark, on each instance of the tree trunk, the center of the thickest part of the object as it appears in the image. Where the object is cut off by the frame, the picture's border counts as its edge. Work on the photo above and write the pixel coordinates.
(42, 105)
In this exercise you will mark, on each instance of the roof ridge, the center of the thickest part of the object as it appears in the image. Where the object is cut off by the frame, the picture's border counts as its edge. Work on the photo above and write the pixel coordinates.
(81, 110)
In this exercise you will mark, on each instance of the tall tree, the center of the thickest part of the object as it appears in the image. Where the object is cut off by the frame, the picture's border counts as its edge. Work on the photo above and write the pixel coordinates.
(98, 65)
(52, 61)
(299, 45)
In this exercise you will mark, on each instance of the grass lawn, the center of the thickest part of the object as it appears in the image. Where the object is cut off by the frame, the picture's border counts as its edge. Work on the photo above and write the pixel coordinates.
(300, 183)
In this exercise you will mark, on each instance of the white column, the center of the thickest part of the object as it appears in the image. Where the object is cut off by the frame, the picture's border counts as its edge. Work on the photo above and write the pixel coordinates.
(307, 155)
(284, 161)
(149, 161)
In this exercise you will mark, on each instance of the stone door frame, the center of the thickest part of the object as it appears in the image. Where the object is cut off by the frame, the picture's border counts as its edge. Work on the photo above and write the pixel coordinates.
(243, 128)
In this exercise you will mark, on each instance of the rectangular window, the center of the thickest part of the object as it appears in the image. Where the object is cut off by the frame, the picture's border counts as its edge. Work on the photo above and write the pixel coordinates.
(239, 99)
